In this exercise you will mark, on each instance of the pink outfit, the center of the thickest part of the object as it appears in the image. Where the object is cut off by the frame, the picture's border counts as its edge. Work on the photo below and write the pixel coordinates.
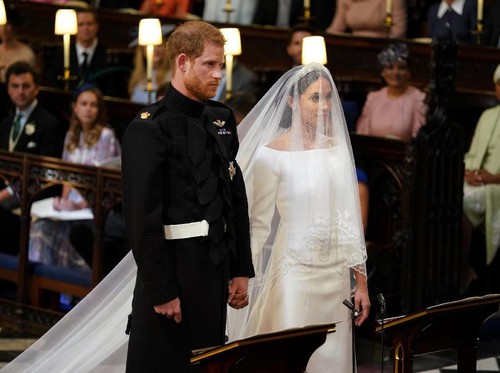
(366, 17)
(388, 117)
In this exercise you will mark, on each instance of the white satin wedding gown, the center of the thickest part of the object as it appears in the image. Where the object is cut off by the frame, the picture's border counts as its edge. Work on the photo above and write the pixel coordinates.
(306, 278)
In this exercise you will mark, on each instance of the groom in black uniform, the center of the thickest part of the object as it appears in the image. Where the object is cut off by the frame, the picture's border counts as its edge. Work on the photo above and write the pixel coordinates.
(185, 209)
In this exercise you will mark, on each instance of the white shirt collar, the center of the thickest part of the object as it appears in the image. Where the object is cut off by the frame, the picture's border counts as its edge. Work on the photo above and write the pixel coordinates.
(26, 112)
(456, 5)
(90, 50)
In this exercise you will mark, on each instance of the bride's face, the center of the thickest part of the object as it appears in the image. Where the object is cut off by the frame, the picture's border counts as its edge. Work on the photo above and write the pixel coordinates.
(315, 103)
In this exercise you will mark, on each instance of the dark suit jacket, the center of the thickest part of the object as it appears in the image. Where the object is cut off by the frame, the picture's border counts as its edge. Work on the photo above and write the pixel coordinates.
(97, 73)
(46, 139)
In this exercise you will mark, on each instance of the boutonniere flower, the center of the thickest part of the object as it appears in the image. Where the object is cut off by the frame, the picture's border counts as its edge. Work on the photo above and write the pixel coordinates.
(29, 128)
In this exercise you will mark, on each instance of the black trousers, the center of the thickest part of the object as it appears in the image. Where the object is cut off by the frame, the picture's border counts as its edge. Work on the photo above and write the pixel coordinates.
(158, 343)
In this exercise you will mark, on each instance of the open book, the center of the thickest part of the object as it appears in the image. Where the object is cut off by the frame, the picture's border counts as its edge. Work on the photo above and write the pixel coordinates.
(44, 209)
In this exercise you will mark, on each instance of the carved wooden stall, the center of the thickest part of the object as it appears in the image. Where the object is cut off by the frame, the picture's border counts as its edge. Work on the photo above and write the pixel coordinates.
(416, 206)
(387, 166)
(32, 177)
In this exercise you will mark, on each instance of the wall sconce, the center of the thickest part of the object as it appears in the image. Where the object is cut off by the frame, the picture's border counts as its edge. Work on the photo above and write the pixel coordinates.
(3, 15)
(231, 48)
(150, 34)
(313, 50)
(66, 25)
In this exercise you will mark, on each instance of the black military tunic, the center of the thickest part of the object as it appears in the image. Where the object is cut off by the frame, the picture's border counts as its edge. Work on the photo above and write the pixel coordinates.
(179, 167)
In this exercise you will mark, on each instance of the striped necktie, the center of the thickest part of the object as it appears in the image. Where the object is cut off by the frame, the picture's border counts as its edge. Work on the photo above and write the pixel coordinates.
(16, 128)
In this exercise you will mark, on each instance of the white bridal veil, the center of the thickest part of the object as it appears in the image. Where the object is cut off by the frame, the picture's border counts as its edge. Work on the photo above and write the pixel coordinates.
(91, 337)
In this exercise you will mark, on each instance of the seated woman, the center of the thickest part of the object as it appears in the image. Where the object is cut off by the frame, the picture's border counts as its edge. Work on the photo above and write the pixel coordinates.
(138, 79)
(398, 110)
(482, 185)
(89, 141)
(366, 18)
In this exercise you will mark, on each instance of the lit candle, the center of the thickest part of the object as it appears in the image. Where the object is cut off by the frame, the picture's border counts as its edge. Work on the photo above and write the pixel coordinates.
(149, 61)
(307, 4)
(66, 38)
(229, 73)
(388, 6)
(479, 10)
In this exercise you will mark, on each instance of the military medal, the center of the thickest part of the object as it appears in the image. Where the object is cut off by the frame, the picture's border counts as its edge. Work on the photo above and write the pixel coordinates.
(232, 170)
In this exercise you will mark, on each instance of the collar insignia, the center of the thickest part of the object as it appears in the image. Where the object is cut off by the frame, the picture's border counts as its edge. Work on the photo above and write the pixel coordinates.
(145, 115)
(219, 123)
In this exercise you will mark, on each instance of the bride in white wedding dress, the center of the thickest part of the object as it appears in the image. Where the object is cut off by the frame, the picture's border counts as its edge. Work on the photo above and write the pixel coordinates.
(307, 239)
(307, 236)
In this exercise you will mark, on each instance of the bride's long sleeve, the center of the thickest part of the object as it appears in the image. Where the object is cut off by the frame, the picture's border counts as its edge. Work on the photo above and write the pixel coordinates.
(265, 190)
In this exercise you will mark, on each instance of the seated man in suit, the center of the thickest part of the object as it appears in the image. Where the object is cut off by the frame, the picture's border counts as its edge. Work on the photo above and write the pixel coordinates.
(27, 128)
(88, 59)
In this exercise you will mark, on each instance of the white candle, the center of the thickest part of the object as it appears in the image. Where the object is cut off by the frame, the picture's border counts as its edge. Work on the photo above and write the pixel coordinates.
(66, 38)
(229, 73)
(479, 10)
(388, 6)
(149, 61)
(307, 4)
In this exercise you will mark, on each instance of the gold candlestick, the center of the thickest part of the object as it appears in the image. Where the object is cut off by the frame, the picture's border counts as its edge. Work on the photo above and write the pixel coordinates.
(388, 23)
(479, 31)
(307, 14)
(228, 9)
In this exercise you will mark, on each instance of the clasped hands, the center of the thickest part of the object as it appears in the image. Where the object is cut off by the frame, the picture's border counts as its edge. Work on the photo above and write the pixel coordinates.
(238, 293)
(479, 177)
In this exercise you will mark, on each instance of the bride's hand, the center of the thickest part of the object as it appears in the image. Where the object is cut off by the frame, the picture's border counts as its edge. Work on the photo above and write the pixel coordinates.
(361, 299)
